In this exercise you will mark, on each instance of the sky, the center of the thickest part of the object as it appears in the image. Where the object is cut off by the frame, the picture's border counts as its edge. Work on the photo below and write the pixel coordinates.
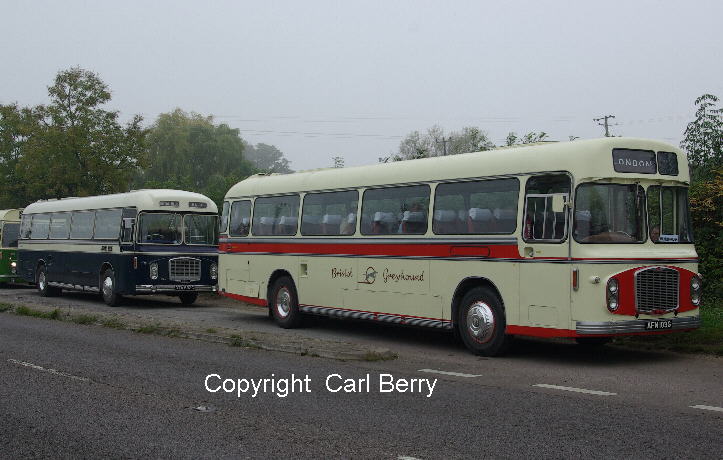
(321, 79)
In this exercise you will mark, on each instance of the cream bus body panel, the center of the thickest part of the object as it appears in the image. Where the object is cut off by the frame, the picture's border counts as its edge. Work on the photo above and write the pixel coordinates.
(535, 286)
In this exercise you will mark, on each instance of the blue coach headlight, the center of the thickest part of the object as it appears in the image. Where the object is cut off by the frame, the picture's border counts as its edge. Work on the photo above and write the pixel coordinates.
(213, 271)
(154, 271)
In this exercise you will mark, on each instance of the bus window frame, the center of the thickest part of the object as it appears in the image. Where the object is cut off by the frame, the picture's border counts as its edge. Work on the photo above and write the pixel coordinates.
(360, 215)
(645, 206)
(434, 206)
(569, 195)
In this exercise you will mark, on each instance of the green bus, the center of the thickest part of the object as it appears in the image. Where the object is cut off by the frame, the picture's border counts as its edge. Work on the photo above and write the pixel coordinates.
(9, 230)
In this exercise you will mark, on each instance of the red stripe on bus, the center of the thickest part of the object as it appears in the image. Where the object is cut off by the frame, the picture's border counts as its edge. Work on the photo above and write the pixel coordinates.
(494, 251)
(243, 298)
(548, 332)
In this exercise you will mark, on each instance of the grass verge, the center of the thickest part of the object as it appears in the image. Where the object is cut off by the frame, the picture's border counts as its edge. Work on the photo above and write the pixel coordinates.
(708, 339)
(25, 311)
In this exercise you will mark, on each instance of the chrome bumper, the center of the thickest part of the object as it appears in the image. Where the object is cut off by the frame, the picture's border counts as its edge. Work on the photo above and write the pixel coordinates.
(633, 326)
(178, 288)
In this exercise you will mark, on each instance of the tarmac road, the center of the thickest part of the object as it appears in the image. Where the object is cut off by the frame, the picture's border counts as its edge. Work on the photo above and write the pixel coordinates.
(68, 390)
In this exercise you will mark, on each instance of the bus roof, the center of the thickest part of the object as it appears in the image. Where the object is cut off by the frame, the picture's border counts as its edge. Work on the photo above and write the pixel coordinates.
(585, 159)
(10, 215)
(144, 200)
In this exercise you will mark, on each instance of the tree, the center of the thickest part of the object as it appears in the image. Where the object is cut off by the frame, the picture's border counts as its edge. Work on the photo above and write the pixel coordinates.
(434, 143)
(267, 158)
(703, 137)
(72, 146)
(188, 151)
(16, 126)
(529, 138)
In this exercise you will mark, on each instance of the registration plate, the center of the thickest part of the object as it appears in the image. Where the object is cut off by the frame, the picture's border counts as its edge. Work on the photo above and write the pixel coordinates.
(658, 324)
(182, 287)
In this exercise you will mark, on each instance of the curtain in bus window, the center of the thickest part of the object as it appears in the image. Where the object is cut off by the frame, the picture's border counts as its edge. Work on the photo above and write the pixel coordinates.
(240, 221)
(25, 225)
(276, 215)
(476, 207)
(223, 222)
(668, 215)
(40, 227)
(395, 210)
(329, 213)
(81, 225)
(107, 224)
(59, 225)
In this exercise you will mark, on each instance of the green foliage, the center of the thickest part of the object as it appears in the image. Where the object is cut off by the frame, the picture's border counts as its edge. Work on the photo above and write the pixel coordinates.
(84, 319)
(706, 203)
(529, 138)
(434, 143)
(70, 147)
(267, 158)
(188, 151)
(703, 138)
(25, 311)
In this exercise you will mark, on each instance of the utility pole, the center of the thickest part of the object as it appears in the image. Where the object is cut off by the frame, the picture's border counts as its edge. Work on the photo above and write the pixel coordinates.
(444, 143)
(604, 123)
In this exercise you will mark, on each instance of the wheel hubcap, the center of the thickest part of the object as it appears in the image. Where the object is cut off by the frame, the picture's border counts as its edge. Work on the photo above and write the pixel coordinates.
(108, 286)
(283, 302)
(481, 322)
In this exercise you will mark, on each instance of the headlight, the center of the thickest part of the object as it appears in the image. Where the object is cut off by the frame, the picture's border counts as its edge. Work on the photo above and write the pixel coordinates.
(154, 271)
(214, 271)
(696, 287)
(13, 267)
(13, 264)
(612, 294)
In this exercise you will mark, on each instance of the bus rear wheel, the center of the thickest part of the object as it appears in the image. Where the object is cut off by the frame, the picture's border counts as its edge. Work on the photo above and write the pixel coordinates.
(187, 298)
(481, 323)
(43, 288)
(108, 288)
(284, 303)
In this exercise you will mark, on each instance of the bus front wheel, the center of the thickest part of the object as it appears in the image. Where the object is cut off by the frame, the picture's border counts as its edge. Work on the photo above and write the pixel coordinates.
(43, 288)
(481, 322)
(284, 303)
(108, 288)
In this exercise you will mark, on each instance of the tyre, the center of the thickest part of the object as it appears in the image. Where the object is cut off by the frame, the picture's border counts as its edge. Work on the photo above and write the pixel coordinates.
(187, 298)
(481, 322)
(108, 289)
(42, 284)
(284, 303)
(592, 342)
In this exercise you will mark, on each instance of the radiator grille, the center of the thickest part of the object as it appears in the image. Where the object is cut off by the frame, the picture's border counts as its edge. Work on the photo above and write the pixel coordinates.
(656, 289)
(184, 269)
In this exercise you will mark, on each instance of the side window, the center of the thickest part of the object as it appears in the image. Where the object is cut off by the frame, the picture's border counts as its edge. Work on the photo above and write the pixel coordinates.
(240, 218)
(25, 223)
(276, 215)
(60, 225)
(223, 222)
(10, 235)
(329, 213)
(107, 224)
(81, 225)
(395, 210)
(40, 227)
(546, 216)
(476, 207)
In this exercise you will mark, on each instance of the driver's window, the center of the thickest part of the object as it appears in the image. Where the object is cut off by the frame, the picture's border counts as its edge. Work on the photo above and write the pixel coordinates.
(545, 219)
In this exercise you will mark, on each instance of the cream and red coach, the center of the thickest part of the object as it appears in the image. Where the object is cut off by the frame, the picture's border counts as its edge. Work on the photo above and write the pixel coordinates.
(585, 239)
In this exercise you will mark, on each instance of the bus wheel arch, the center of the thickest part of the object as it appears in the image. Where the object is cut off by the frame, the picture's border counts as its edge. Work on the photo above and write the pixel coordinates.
(283, 300)
(479, 318)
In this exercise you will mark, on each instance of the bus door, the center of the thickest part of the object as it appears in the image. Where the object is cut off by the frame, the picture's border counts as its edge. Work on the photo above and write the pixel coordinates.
(544, 276)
